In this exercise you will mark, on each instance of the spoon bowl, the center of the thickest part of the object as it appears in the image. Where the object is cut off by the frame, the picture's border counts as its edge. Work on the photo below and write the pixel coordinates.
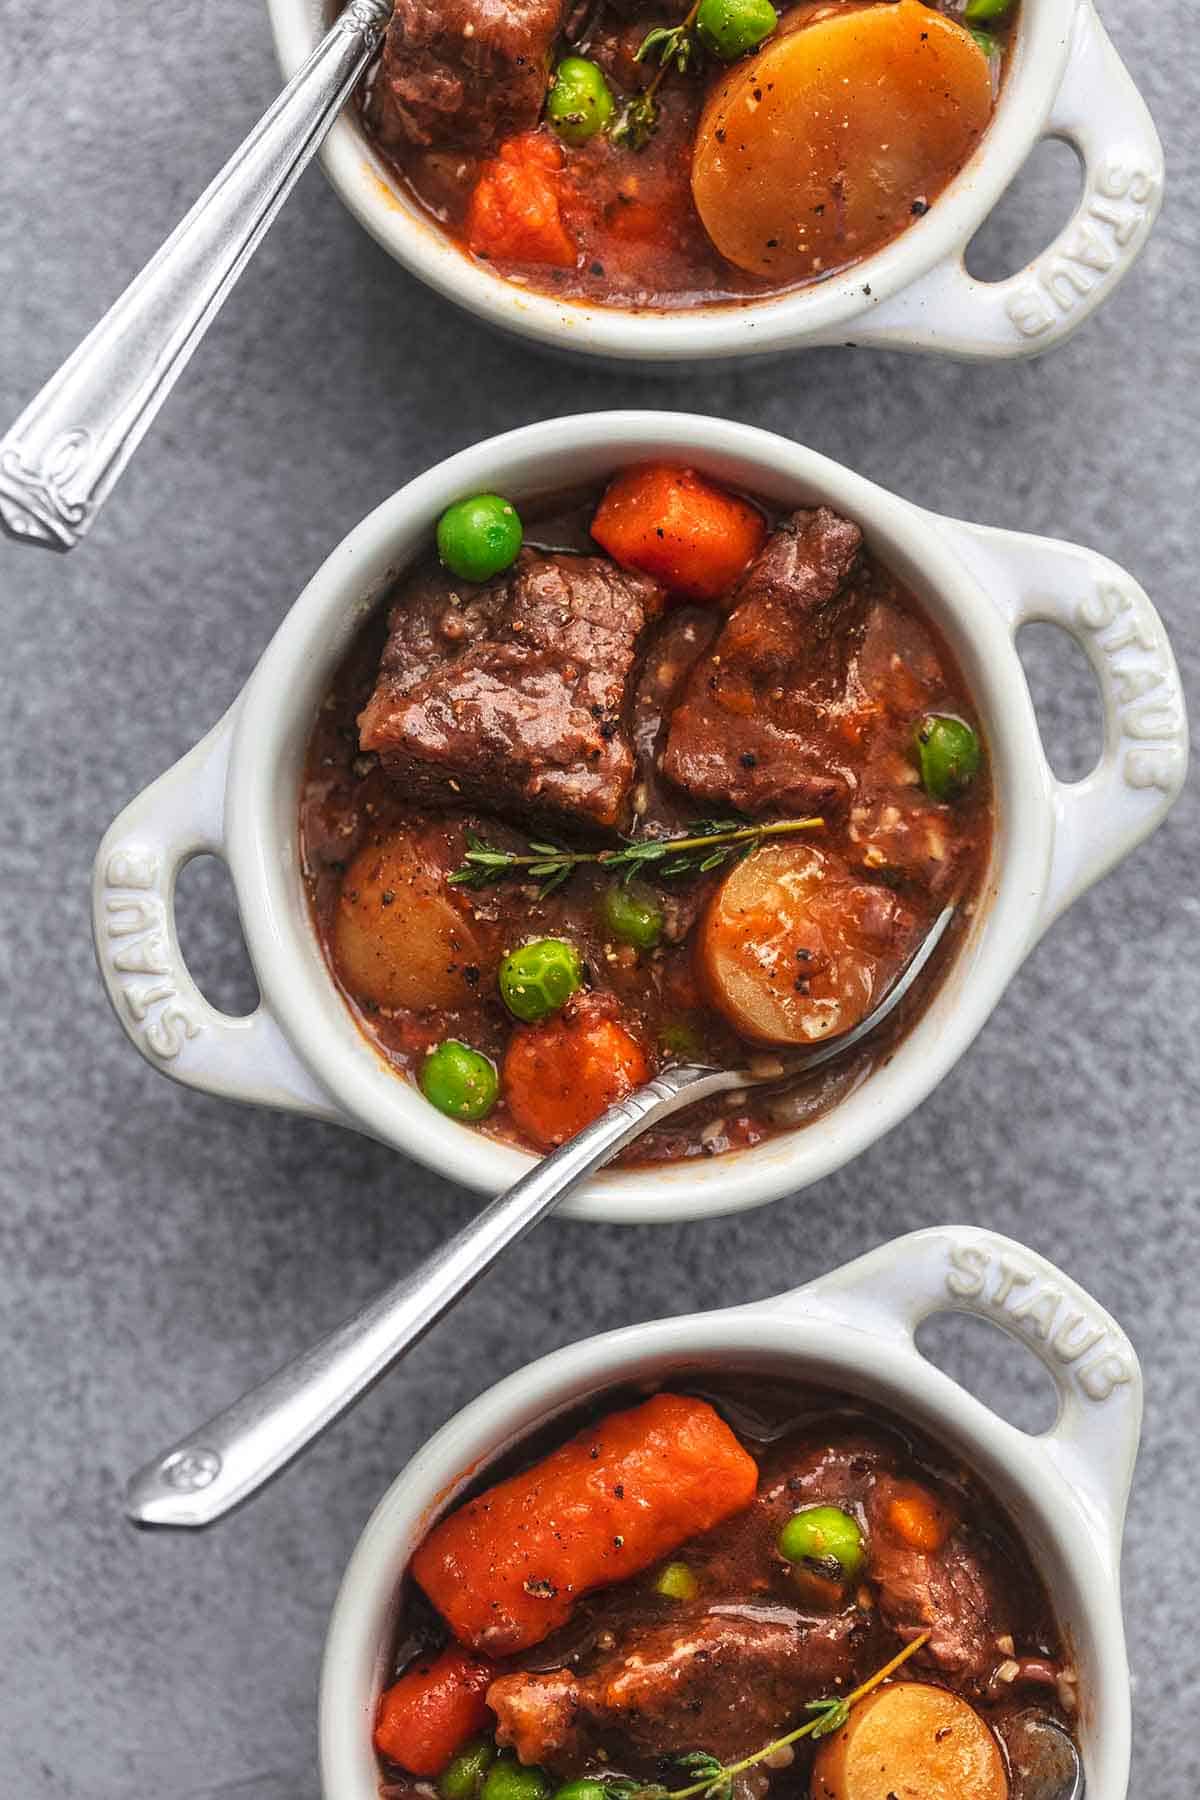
(1044, 1763)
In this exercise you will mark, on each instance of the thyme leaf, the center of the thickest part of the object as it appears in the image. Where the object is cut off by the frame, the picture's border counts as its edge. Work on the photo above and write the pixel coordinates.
(635, 123)
(668, 45)
(673, 47)
(707, 1768)
(706, 845)
(831, 1716)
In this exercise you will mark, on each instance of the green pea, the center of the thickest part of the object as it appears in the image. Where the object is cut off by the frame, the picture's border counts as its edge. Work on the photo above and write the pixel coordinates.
(987, 41)
(681, 1041)
(676, 1582)
(731, 28)
(463, 1776)
(826, 1537)
(459, 1081)
(977, 10)
(579, 103)
(583, 1788)
(536, 979)
(948, 753)
(508, 1779)
(479, 537)
(632, 914)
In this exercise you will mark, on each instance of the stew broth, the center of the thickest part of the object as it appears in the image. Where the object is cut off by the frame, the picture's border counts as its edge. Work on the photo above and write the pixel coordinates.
(697, 721)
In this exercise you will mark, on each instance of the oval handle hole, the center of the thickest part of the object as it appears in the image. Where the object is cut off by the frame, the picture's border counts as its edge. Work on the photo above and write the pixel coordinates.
(1066, 698)
(1032, 211)
(993, 1366)
(210, 936)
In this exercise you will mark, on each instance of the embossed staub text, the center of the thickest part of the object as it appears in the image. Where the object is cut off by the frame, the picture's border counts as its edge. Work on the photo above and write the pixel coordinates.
(1099, 247)
(1149, 706)
(1060, 1325)
(137, 949)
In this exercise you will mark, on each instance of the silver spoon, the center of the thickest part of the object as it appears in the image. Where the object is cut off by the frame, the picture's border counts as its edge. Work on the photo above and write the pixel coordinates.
(205, 1474)
(1044, 1762)
(63, 456)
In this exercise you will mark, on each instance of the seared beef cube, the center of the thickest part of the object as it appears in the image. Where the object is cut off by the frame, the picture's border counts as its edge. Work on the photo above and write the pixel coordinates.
(540, 1716)
(462, 74)
(722, 1681)
(805, 562)
(955, 1591)
(907, 834)
(513, 694)
(761, 726)
(725, 1684)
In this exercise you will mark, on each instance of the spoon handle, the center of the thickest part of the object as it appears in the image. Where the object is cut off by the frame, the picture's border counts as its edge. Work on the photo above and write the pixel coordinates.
(61, 459)
(205, 1474)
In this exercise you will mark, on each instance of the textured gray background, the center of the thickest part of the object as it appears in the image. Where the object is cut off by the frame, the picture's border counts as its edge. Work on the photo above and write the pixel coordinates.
(158, 1250)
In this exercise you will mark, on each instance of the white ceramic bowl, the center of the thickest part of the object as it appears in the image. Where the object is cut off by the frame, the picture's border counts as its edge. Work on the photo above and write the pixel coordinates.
(852, 1330)
(1066, 81)
(236, 794)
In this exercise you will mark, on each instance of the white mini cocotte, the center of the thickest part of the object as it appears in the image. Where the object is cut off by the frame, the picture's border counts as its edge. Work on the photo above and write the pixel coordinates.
(237, 795)
(1065, 81)
(852, 1330)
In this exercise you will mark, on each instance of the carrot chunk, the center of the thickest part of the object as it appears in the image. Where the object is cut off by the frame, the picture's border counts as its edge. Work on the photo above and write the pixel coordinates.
(432, 1710)
(506, 1569)
(514, 213)
(917, 1519)
(694, 537)
(560, 1075)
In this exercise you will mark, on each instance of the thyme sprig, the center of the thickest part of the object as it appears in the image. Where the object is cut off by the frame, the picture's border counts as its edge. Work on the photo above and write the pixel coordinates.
(715, 1779)
(675, 47)
(707, 844)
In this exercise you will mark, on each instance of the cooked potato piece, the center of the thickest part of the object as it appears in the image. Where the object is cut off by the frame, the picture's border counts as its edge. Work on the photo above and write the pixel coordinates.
(820, 147)
(401, 938)
(910, 1742)
(794, 950)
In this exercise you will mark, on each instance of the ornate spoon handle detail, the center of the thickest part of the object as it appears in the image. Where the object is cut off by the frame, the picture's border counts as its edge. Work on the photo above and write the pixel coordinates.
(63, 456)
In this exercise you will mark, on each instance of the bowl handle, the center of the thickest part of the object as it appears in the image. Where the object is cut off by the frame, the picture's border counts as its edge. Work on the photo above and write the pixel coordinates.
(162, 1011)
(1099, 112)
(1144, 758)
(962, 1268)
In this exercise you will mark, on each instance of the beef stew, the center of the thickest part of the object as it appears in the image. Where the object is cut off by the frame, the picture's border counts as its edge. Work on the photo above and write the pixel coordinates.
(643, 156)
(683, 780)
(647, 1599)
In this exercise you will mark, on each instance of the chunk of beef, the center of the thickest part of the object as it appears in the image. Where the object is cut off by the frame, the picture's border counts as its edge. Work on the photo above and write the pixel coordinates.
(723, 1681)
(955, 1592)
(513, 693)
(677, 641)
(462, 74)
(908, 834)
(899, 830)
(805, 562)
(768, 717)
(539, 1715)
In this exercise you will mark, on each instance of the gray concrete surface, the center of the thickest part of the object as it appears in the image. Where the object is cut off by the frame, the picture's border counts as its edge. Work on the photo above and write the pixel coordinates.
(158, 1250)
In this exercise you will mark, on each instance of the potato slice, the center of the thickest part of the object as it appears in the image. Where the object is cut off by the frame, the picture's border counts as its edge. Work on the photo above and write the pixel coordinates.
(794, 950)
(910, 1741)
(401, 937)
(820, 147)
